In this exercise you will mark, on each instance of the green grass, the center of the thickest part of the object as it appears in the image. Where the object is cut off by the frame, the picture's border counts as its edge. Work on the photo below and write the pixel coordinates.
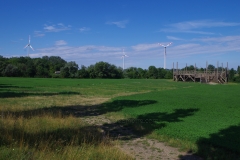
(201, 114)
(199, 117)
(201, 109)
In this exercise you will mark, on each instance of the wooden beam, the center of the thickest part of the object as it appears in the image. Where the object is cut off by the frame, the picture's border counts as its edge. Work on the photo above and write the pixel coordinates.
(173, 71)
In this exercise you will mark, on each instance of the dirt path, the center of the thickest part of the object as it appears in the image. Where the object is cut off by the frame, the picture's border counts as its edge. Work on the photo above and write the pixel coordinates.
(140, 148)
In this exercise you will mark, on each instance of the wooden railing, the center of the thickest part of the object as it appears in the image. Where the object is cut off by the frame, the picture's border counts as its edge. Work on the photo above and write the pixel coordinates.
(180, 72)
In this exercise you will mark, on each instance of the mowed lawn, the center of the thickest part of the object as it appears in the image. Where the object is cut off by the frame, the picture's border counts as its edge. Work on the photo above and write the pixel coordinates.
(201, 115)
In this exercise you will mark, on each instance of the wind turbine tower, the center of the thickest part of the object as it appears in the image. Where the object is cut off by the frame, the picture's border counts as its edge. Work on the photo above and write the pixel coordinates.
(123, 56)
(28, 46)
(165, 53)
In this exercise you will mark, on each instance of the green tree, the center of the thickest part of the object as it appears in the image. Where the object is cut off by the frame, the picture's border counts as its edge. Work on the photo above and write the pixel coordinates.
(22, 69)
(11, 71)
(82, 72)
(161, 73)
(56, 63)
(65, 72)
(238, 71)
(31, 69)
(190, 68)
(106, 70)
(210, 67)
(69, 70)
(73, 68)
(142, 73)
(115, 72)
(102, 69)
(231, 74)
(3, 65)
(42, 67)
(91, 71)
(168, 75)
(132, 73)
(152, 72)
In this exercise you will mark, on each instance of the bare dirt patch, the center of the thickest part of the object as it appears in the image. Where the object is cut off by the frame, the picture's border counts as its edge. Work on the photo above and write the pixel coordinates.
(137, 147)
(143, 148)
(212, 83)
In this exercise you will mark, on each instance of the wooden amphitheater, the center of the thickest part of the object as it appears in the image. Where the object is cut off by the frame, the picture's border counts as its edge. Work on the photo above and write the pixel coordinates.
(207, 76)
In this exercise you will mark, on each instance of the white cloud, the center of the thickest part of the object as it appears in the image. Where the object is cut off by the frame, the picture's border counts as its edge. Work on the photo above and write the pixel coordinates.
(39, 34)
(147, 53)
(120, 24)
(202, 24)
(174, 38)
(60, 43)
(89, 51)
(84, 29)
(56, 28)
(186, 31)
(194, 26)
(142, 47)
(222, 39)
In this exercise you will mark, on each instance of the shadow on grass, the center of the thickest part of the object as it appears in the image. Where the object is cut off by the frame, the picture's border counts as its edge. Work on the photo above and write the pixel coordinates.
(12, 94)
(81, 111)
(140, 126)
(89, 134)
(5, 92)
(124, 130)
(222, 145)
(11, 86)
(145, 124)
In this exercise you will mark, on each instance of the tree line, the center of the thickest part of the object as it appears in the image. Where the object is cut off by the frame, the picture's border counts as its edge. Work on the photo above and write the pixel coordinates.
(56, 67)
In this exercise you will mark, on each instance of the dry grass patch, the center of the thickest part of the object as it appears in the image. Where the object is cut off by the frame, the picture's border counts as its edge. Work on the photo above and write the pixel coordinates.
(34, 102)
(53, 137)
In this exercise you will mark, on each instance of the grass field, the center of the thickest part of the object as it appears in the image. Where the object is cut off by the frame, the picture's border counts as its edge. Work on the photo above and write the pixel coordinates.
(200, 115)
(36, 116)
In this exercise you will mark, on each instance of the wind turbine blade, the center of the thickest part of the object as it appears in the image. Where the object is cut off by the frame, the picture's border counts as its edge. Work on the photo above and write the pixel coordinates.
(31, 47)
(169, 44)
(161, 45)
(26, 46)
(29, 39)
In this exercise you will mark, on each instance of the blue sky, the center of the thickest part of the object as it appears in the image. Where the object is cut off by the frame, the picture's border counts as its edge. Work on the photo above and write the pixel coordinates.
(89, 31)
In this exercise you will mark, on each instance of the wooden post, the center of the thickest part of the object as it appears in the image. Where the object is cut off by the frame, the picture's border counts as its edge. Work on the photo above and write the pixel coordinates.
(217, 70)
(195, 68)
(186, 68)
(222, 67)
(173, 71)
(177, 71)
(195, 72)
(206, 75)
(227, 72)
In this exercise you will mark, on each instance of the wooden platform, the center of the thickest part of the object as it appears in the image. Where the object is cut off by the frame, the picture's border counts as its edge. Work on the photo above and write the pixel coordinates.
(206, 76)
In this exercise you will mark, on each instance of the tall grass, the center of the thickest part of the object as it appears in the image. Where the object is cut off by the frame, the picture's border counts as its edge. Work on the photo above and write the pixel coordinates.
(55, 136)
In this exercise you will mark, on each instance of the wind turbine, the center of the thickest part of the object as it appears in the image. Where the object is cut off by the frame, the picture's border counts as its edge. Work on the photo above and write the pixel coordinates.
(29, 46)
(123, 56)
(165, 47)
